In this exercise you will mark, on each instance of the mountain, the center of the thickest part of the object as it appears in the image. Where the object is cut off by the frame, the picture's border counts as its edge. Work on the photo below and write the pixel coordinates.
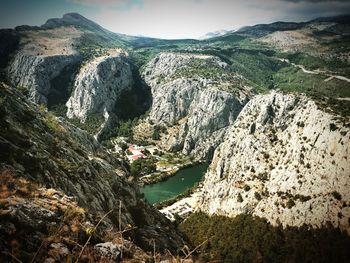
(214, 34)
(267, 106)
(76, 20)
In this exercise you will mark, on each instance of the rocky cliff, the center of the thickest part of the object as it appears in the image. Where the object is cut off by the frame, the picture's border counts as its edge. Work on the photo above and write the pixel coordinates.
(36, 72)
(40, 152)
(196, 95)
(98, 85)
(284, 159)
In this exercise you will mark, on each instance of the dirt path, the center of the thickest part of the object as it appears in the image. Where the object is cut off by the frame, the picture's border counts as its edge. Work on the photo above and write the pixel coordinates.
(316, 72)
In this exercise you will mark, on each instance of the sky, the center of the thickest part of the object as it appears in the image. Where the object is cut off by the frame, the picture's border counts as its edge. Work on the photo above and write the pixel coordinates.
(170, 19)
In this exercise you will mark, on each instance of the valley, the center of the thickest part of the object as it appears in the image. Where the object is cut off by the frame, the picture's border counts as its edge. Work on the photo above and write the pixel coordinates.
(236, 147)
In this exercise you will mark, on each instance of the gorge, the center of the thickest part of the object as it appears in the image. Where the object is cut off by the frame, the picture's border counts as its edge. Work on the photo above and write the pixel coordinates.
(75, 97)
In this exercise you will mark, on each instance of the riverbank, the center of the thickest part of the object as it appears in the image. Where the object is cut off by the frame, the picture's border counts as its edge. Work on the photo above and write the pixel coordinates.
(183, 207)
(180, 185)
(177, 198)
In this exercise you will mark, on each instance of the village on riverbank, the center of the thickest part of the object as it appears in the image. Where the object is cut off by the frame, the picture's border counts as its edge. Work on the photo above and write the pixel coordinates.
(153, 166)
(149, 164)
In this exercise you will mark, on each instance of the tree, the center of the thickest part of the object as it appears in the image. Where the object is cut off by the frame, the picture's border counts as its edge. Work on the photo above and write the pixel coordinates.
(143, 166)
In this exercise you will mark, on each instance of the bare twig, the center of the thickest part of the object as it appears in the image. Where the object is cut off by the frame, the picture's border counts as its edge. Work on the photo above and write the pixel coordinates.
(88, 240)
(37, 252)
(171, 254)
(192, 251)
(13, 256)
(120, 228)
(128, 229)
(154, 251)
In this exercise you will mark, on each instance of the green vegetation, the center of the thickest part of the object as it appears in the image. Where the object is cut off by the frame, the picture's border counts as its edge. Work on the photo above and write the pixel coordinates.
(251, 239)
(59, 110)
(202, 68)
(157, 130)
(125, 128)
(257, 196)
(313, 62)
(142, 166)
(256, 66)
(92, 123)
(142, 56)
(290, 203)
(239, 198)
(50, 120)
(293, 79)
(23, 90)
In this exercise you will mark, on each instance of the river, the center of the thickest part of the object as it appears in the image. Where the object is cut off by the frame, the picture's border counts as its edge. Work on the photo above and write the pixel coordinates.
(175, 185)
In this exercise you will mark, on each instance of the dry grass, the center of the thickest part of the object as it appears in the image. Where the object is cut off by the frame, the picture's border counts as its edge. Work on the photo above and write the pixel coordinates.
(51, 42)
(291, 40)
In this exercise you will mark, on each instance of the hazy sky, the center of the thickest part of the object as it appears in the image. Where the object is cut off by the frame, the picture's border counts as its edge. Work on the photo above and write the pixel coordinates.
(170, 18)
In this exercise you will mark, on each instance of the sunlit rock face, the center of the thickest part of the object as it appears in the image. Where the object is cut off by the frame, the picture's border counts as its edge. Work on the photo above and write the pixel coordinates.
(98, 86)
(283, 159)
(199, 107)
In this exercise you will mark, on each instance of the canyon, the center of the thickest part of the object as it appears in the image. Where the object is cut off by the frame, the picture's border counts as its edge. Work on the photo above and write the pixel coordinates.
(276, 137)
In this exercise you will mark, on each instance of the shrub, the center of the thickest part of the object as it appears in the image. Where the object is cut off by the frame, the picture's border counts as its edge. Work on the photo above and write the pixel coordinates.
(52, 122)
(333, 127)
(246, 187)
(239, 198)
(257, 196)
(336, 195)
(290, 203)
(266, 155)
(143, 166)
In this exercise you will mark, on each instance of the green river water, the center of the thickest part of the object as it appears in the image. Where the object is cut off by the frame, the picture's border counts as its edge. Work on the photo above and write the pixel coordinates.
(175, 185)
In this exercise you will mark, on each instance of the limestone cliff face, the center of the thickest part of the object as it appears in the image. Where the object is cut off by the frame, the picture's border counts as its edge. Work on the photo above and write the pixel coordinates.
(194, 94)
(36, 72)
(283, 159)
(98, 85)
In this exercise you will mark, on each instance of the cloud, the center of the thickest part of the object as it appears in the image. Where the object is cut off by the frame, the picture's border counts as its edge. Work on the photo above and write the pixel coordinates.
(193, 18)
(123, 5)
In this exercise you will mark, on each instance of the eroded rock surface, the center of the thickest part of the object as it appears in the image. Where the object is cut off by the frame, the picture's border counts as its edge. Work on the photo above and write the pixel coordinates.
(284, 159)
(98, 85)
(197, 93)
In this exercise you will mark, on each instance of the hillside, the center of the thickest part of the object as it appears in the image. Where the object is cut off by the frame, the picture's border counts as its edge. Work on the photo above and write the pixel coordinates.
(58, 182)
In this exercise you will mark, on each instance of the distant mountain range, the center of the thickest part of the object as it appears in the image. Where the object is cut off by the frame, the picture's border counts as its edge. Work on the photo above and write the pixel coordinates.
(215, 34)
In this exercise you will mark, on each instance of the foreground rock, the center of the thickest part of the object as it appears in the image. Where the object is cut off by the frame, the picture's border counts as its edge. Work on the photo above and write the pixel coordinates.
(284, 159)
(38, 150)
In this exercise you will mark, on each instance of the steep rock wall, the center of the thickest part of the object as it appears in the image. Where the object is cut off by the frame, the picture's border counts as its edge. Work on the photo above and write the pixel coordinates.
(98, 85)
(283, 159)
(36, 72)
(198, 103)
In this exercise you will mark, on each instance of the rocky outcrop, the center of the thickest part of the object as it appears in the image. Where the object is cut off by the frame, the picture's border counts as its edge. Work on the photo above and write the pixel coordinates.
(36, 72)
(39, 149)
(98, 86)
(198, 94)
(283, 159)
